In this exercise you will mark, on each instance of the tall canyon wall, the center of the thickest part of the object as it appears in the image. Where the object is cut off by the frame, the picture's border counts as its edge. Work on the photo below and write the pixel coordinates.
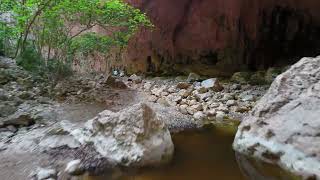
(218, 37)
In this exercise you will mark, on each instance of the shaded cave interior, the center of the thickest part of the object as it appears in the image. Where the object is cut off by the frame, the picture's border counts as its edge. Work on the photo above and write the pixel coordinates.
(285, 35)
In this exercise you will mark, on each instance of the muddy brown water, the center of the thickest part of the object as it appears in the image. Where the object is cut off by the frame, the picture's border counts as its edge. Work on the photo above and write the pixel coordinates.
(206, 155)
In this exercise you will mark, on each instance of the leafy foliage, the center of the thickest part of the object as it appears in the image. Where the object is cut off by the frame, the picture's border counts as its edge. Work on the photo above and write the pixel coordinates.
(30, 60)
(52, 69)
(59, 29)
(90, 42)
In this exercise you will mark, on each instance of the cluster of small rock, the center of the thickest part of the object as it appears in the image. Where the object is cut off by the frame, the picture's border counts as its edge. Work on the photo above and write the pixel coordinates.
(23, 98)
(86, 88)
(203, 99)
(259, 77)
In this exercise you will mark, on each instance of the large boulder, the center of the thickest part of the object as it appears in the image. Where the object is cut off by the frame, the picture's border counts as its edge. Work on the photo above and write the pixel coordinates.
(284, 126)
(133, 137)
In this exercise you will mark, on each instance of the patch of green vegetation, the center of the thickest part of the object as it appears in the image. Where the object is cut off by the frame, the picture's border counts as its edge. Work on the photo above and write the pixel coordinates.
(61, 29)
(90, 42)
(30, 60)
(51, 69)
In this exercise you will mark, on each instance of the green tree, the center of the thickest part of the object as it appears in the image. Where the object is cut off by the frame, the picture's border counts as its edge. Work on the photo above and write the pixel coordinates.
(63, 26)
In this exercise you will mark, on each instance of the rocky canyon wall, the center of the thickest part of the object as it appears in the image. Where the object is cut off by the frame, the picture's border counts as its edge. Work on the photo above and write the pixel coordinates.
(218, 37)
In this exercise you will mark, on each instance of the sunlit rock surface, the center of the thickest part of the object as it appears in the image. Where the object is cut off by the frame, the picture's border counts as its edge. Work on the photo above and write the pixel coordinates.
(285, 124)
(131, 137)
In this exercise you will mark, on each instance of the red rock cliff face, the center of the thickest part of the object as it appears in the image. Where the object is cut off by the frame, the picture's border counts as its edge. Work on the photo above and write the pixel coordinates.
(218, 37)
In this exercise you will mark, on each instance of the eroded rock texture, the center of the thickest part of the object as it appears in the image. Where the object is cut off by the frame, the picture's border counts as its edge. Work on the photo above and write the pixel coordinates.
(221, 36)
(131, 137)
(285, 124)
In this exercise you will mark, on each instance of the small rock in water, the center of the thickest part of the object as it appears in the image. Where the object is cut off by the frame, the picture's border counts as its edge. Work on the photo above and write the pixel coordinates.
(74, 168)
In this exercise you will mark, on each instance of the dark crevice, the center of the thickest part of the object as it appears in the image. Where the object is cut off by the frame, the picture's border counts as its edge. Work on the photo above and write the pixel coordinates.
(286, 35)
(183, 21)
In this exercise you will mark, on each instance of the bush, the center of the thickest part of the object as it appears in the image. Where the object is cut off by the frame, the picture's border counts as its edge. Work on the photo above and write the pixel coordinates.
(56, 70)
(53, 70)
(30, 60)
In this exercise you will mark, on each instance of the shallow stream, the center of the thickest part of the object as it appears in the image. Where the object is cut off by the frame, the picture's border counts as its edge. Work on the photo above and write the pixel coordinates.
(206, 155)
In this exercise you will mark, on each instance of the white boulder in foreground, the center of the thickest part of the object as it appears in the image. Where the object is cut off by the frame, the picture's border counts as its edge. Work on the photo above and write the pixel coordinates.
(132, 137)
(284, 127)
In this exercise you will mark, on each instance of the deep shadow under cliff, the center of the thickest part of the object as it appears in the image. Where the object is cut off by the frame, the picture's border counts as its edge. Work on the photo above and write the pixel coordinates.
(219, 37)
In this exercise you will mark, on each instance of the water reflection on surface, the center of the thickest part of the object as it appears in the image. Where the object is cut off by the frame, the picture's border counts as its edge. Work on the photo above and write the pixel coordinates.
(204, 155)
